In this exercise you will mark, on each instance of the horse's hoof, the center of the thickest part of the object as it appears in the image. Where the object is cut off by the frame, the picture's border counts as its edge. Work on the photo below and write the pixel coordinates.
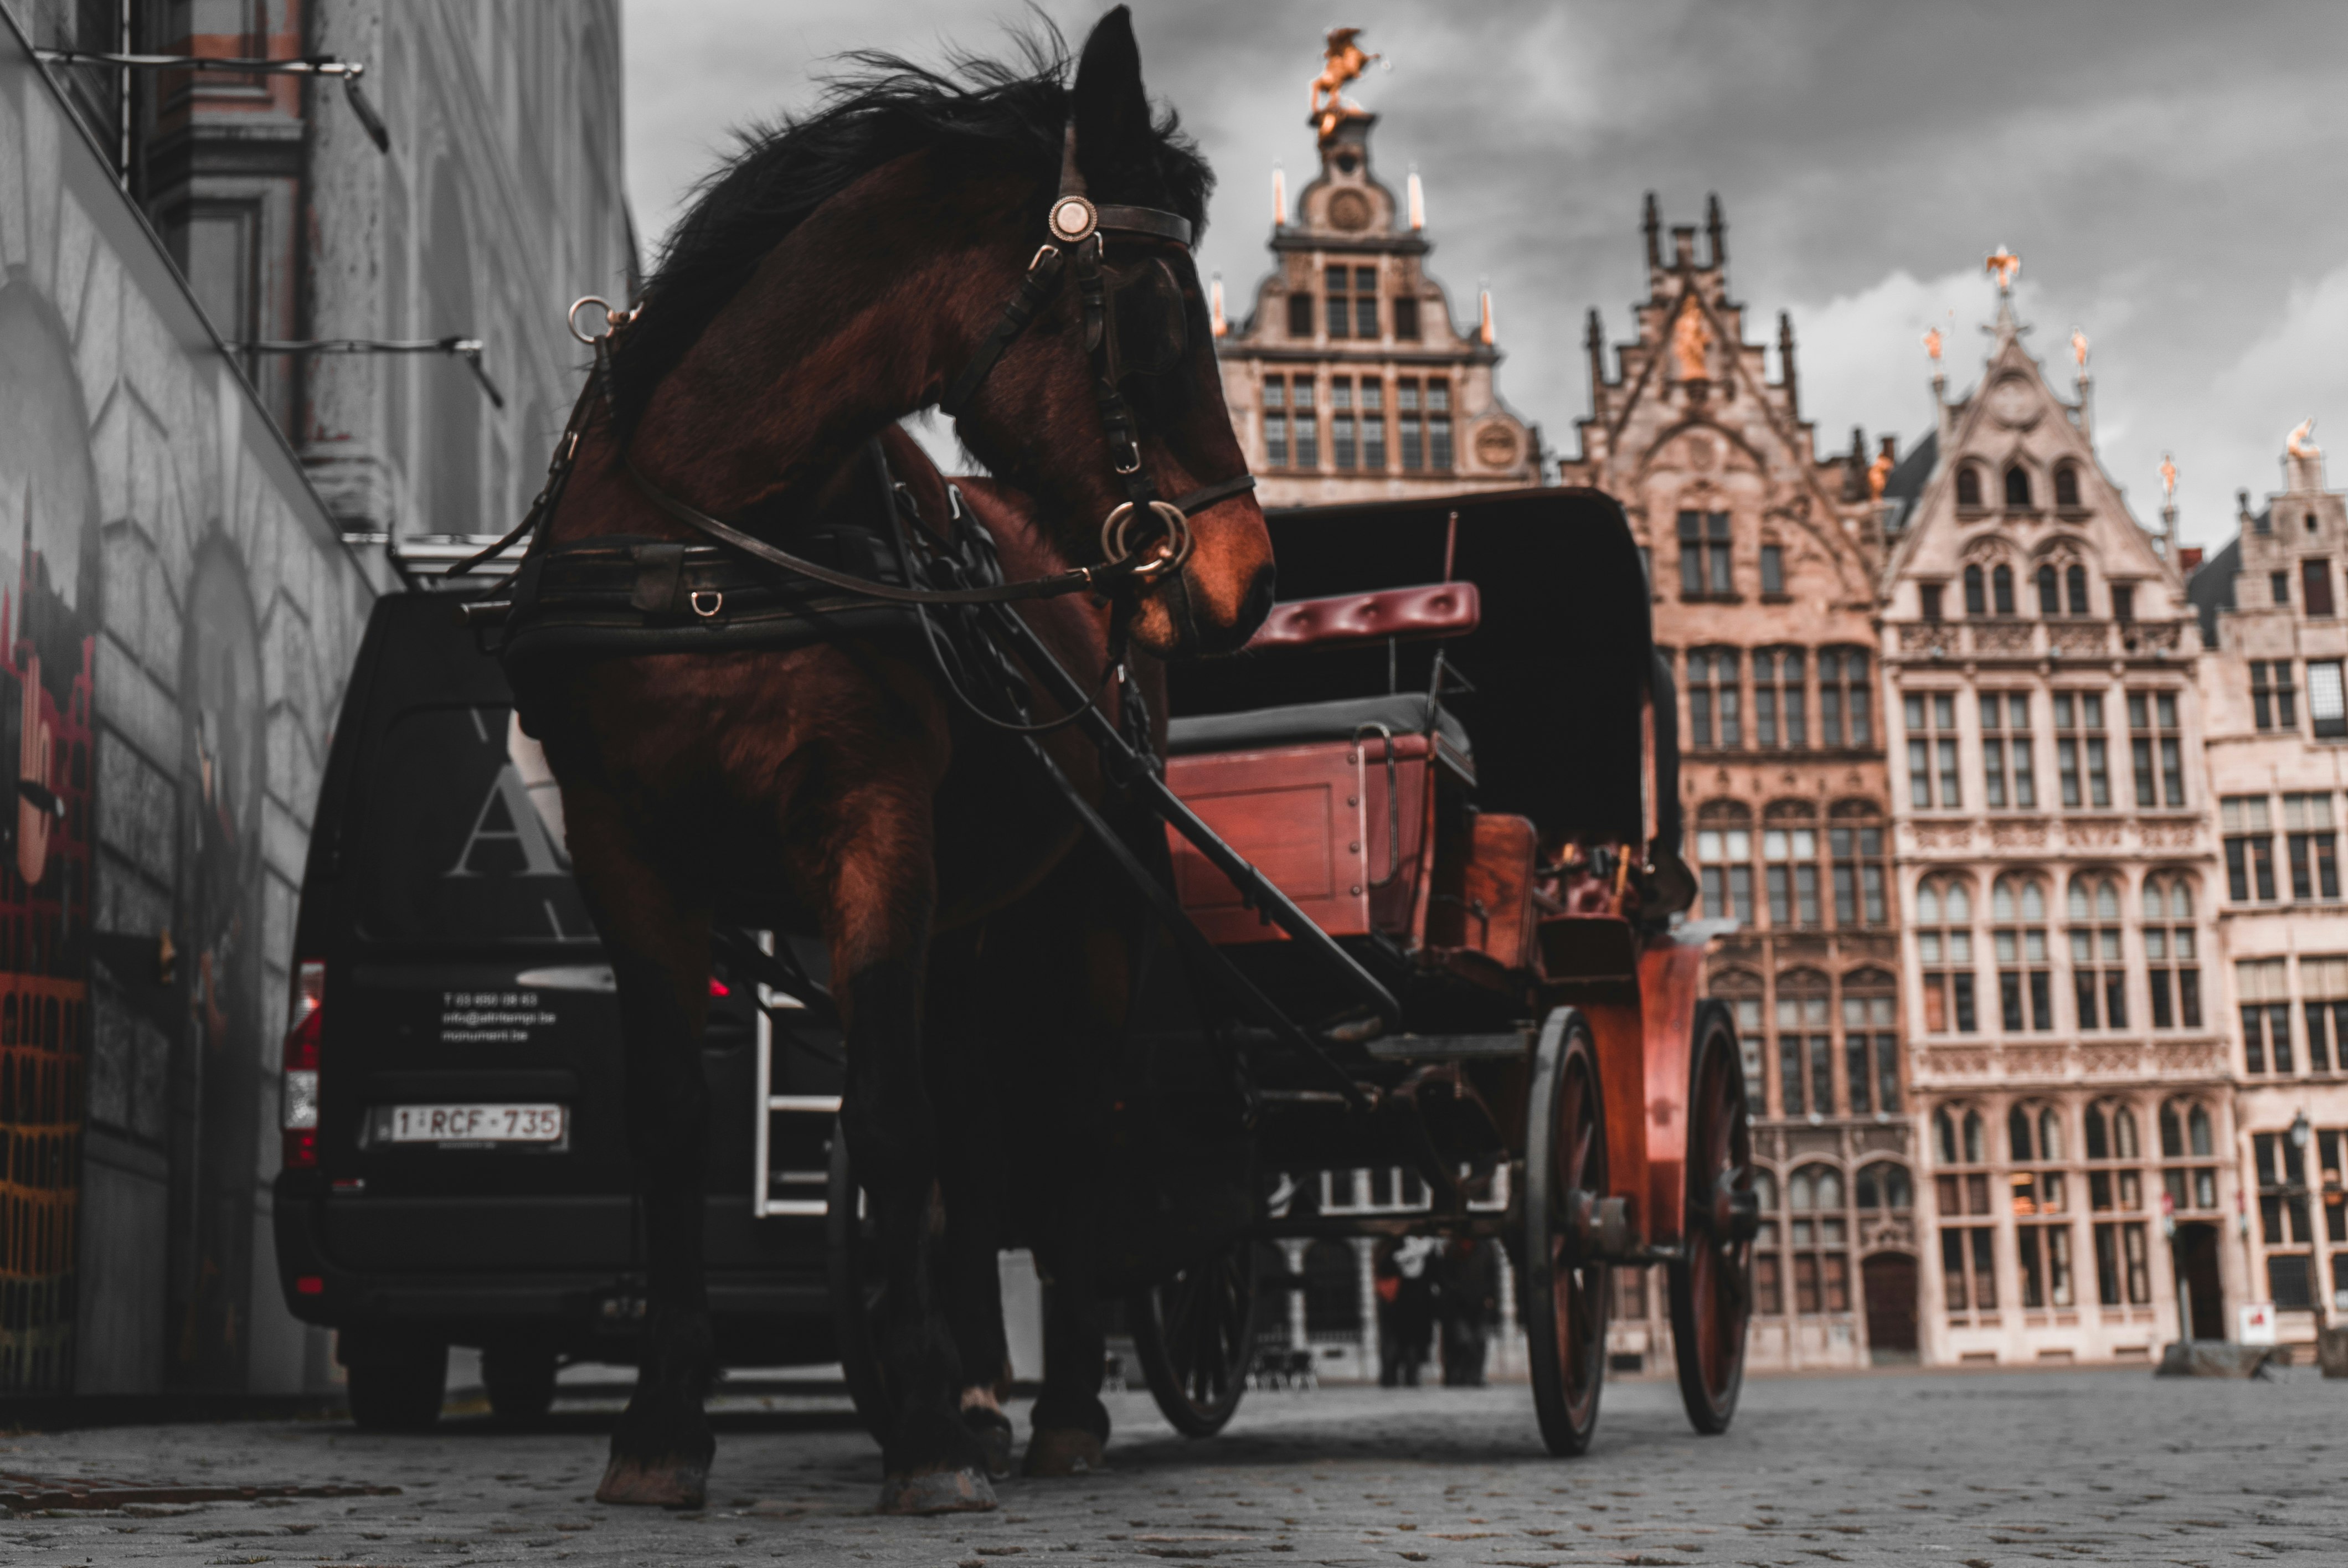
(939, 1492)
(1063, 1450)
(993, 1431)
(680, 1483)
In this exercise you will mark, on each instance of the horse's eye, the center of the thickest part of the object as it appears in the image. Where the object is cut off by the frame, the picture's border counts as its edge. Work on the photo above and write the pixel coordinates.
(1146, 304)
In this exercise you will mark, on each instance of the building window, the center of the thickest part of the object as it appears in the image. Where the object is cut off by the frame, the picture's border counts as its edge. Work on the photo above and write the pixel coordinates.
(1409, 426)
(2124, 603)
(1773, 570)
(2098, 975)
(1944, 942)
(1884, 1187)
(1704, 556)
(2050, 593)
(2324, 983)
(1968, 1243)
(1932, 749)
(2262, 987)
(1790, 868)
(2123, 1258)
(2186, 1135)
(2075, 582)
(2009, 773)
(1300, 315)
(2017, 489)
(2315, 586)
(1768, 1283)
(1725, 856)
(2066, 486)
(1714, 718)
(1820, 1237)
(2153, 734)
(2249, 848)
(1969, 486)
(1976, 594)
(1805, 1050)
(1343, 449)
(2079, 738)
(1275, 422)
(2170, 951)
(1439, 424)
(1846, 703)
(1928, 600)
(2283, 1220)
(2279, 589)
(1405, 317)
(2000, 589)
(2025, 994)
(2274, 704)
(1373, 426)
(1857, 850)
(2324, 699)
(1353, 301)
(2034, 1137)
(2312, 846)
(1870, 1050)
(1742, 990)
(1779, 718)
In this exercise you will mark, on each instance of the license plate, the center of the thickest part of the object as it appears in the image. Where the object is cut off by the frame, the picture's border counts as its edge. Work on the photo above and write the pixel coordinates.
(474, 1124)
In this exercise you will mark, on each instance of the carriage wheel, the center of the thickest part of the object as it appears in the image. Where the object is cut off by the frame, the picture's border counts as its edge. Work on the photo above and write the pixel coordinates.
(1712, 1287)
(859, 1290)
(1565, 1281)
(1195, 1336)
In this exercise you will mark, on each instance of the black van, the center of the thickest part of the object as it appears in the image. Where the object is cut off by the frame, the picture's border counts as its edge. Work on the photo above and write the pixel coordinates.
(454, 1170)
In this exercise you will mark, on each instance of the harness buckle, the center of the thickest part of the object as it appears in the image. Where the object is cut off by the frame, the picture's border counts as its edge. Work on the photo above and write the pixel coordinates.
(1133, 449)
(716, 603)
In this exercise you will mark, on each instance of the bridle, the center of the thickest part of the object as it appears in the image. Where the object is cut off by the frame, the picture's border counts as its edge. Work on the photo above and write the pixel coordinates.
(1143, 538)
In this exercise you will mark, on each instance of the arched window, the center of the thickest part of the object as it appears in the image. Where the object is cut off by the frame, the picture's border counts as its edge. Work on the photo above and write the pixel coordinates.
(1855, 845)
(1821, 1234)
(1715, 716)
(2066, 486)
(2075, 582)
(1969, 492)
(2017, 488)
(2026, 986)
(1805, 1050)
(1884, 1185)
(2171, 951)
(2050, 1135)
(1846, 703)
(1870, 1050)
(2116, 1200)
(2050, 593)
(1724, 853)
(1967, 1221)
(2000, 589)
(2188, 1152)
(1741, 990)
(1976, 595)
(1789, 852)
(2017, 1135)
(1944, 942)
(1768, 1281)
(2124, 1139)
(2099, 977)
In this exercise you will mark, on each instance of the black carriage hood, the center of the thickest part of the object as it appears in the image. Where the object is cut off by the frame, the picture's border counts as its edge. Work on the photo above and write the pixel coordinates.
(1564, 652)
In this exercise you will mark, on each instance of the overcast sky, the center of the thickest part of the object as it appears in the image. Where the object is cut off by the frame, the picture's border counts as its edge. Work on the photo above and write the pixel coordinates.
(2169, 173)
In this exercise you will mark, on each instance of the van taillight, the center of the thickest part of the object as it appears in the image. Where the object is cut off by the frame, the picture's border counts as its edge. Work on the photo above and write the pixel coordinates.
(299, 1094)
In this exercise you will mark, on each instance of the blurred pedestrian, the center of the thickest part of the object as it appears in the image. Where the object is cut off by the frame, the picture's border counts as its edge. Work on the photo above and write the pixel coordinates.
(1467, 1299)
(1405, 1286)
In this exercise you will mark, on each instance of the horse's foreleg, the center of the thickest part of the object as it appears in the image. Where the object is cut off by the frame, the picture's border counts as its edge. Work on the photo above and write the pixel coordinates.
(882, 894)
(963, 1066)
(659, 950)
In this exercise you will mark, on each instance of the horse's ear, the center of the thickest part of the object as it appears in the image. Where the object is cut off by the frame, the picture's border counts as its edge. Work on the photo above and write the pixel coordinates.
(1111, 108)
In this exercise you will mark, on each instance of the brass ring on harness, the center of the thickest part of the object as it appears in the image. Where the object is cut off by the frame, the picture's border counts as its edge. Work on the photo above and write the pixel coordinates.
(1117, 542)
(716, 603)
(615, 318)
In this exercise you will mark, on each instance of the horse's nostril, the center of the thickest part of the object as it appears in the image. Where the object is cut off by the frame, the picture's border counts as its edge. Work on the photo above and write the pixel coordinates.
(1258, 603)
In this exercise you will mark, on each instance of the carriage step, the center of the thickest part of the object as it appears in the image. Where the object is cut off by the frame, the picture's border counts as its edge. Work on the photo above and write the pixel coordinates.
(1453, 1047)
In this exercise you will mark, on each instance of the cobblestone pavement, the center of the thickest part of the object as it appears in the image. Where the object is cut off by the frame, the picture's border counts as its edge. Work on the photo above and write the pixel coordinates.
(1965, 1469)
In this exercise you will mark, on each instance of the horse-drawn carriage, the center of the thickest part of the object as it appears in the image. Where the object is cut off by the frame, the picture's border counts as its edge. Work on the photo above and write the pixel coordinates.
(1453, 754)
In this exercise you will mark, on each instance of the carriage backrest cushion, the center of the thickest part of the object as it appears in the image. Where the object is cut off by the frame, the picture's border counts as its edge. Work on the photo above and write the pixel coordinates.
(1435, 610)
(1303, 723)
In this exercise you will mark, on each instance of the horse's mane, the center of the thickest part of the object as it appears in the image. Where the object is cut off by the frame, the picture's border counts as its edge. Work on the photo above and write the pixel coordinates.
(986, 114)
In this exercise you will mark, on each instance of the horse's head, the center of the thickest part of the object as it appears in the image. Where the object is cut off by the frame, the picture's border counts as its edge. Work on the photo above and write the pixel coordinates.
(1108, 406)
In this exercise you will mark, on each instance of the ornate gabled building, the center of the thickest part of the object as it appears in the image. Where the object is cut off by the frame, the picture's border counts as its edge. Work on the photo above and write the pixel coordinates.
(2271, 606)
(1349, 380)
(2059, 885)
(1763, 562)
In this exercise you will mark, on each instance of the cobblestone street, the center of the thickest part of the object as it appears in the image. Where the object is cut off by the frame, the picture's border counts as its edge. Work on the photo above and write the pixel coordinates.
(1969, 1470)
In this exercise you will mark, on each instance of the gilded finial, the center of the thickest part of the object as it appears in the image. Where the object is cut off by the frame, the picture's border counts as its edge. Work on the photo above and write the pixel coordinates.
(1932, 343)
(2301, 443)
(2079, 349)
(1345, 60)
(2167, 478)
(2003, 264)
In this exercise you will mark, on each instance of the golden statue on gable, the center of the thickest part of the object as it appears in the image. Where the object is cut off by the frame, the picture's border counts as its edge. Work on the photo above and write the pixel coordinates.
(2001, 264)
(1345, 63)
(1690, 338)
(2301, 441)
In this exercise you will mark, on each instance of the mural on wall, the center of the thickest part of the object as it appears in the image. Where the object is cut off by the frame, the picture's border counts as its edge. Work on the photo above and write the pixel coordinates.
(219, 1070)
(49, 486)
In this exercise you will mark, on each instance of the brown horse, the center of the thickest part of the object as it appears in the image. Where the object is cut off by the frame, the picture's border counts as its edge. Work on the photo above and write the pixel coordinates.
(842, 273)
